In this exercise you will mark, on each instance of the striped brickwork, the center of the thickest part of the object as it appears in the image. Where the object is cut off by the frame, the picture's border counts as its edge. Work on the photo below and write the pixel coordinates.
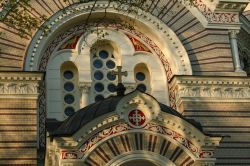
(207, 48)
(18, 119)
(220, 113)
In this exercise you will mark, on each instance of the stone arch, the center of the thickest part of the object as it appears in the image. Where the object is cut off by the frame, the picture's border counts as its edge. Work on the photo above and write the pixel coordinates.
(139, 157)
(141, 142)
(180, 62)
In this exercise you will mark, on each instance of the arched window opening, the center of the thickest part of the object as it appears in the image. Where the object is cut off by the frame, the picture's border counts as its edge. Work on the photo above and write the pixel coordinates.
(103, 61)
(139, 163)
(142, 77)
(70, 90)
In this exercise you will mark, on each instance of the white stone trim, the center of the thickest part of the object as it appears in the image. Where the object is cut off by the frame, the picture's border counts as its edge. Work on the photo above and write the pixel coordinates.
(59, 20)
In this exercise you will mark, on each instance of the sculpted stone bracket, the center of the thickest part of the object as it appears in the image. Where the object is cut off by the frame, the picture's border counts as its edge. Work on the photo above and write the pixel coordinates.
(20, 83)
(210, 89)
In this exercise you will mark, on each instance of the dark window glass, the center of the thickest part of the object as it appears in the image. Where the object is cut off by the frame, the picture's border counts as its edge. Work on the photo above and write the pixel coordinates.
(103, 54)
(68, 86)
(99, 87)
(99, 98)
(142, 87)
(140, 76)
(110, 64)
(69, 99)
(98, 75)
(97, 63)
(68, 75)
(69, 111)
(111, 87)
(111, 76)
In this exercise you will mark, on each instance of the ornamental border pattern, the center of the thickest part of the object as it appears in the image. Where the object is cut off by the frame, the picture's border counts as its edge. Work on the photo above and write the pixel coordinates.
(122, 127)
(216, 17)
(80, 29)
(17, 88)
(62, 17)
(206, 89)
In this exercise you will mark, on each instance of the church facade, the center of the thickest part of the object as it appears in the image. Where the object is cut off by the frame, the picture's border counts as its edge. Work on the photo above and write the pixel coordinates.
(185, 69)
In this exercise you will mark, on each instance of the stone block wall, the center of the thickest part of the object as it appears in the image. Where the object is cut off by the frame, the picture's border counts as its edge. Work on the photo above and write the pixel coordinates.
(18, 117)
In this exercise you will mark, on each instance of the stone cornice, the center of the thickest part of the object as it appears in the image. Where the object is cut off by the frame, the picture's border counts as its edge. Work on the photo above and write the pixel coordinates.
(210, 89)
(19, 83)
(21, 76)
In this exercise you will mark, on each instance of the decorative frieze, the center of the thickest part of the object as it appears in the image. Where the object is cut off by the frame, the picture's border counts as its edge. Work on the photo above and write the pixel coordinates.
(19, 83)
(228, 5)
(222, 11)
(198, 152)
(210, 88)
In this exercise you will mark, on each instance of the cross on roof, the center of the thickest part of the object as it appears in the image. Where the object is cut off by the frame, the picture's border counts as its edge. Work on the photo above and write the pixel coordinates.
(120, 73)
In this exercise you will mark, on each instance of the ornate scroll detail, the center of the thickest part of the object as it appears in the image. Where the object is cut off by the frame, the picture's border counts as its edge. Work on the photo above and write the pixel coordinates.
(138, 45)
(216, 17)
(55, 43)
(79, 29)
(103, 134)
(71, 43)
(175, 136)
(42, 116)
(119, 128)
(69, 155)
(172, 98)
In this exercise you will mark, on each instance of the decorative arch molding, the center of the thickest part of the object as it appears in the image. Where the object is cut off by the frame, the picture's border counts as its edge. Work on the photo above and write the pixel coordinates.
(160, 149)
(141, 155)
(180, 62)
(110, 144)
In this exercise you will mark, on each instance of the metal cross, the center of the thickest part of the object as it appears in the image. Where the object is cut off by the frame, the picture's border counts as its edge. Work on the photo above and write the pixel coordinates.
(120, 73)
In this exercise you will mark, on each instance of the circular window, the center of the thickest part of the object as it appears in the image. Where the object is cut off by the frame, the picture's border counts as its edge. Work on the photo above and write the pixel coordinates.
(98, 63)
(112, 88)
(69, 111)
(99, 98)
(103, 54)
(69, 99)
(98, 75)
(110, 64)
(99, 87)
(69, 86)
(68, 75)
(111, 76)
(142, 87)
(140, 76)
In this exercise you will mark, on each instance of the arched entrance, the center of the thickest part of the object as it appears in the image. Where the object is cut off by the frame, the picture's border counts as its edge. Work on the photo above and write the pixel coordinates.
(139, 162)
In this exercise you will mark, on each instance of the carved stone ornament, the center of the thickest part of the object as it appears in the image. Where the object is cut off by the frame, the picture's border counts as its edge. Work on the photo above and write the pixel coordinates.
(25, 83)
(138, 109)
(206, 89)
(18, 88)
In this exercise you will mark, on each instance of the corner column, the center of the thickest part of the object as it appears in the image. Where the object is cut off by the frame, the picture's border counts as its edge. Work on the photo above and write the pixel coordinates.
(84, 91)
(235, 51)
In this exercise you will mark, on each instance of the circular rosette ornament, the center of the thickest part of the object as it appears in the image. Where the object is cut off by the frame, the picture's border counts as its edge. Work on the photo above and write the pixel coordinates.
(137, 118)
